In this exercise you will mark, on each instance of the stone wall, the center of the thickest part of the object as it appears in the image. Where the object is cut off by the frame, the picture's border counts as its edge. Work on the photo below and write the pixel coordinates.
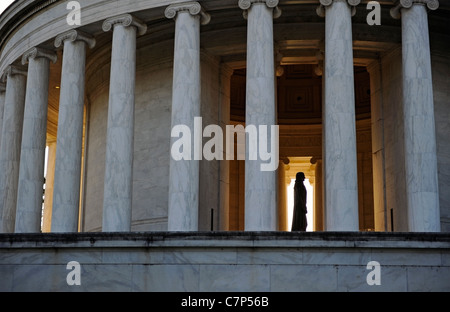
(230, 262)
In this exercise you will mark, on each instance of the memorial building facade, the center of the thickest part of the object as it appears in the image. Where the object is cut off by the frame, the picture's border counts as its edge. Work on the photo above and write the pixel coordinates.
(115, 150)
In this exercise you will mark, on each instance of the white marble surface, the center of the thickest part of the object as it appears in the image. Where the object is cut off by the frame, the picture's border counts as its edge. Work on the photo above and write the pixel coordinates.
(260, 186)
(184, 174)
(422, 189)
(226, 263)
(32, 158)
(118, 185)
(66, 192)
(10, 146)
(341, 184)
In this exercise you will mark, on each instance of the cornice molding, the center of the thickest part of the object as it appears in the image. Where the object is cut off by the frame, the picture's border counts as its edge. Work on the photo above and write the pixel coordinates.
(125, 20)
(194, 8)
(75, 35)
(406, 4)
(25, 13)
(39, 53)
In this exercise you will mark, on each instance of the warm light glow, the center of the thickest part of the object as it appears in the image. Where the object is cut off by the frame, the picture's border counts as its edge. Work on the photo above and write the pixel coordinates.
(309, 204)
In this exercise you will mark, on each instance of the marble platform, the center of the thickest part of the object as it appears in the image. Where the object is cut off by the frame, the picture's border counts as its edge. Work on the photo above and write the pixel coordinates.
(226, 261)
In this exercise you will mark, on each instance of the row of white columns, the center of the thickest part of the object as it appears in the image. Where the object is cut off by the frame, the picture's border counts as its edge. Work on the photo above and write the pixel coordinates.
(24, 123)
(24, 129)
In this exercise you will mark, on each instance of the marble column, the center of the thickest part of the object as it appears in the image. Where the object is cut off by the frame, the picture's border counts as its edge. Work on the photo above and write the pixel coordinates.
(339, 125)
(260, 186)
(15, 78)
(118, 185)
(66, 192)
(2, 106)
(184, 174)
(418, 111)
(34, 135)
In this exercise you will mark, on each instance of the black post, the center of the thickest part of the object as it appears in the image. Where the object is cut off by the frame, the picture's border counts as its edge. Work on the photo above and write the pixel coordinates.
(392, 220)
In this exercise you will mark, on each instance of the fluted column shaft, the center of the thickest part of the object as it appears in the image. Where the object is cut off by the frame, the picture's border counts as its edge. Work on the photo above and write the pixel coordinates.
(260, 186)
(118, 185)
(184, 174)
(339, 126)
(66, 194)
(418, 111)
(32, 158)
(10, 146)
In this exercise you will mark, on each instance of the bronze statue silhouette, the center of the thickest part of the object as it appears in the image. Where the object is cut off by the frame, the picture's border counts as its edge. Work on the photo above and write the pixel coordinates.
(299, 222)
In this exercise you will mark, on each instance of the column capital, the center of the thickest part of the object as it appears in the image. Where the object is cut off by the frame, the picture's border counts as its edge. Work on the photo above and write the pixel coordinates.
(324, 3)
(75, 35)
(406, 4)
(13, 70)
(271, 4)
(2, 87)
(285, 160)
(125, 20)
(320, 56)
(38, 53)
(314, 160)
(350, 2)
(246, 4)
(193, 7)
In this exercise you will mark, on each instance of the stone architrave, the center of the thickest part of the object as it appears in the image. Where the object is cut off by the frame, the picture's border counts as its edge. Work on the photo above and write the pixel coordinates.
(184, 174)
(339, 124)
(422, 193)
(34, 135)
(66, 194)
(15, 78)
(118, 185)
(260, 186)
